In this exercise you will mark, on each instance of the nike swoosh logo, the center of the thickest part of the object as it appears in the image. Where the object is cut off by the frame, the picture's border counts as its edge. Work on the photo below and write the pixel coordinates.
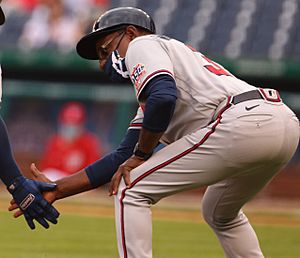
(249, 108)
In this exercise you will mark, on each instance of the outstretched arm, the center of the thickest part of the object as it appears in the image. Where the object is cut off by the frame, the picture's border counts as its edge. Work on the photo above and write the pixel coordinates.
(9, 170)
(95, 175)
(101, 171)
(26, 193)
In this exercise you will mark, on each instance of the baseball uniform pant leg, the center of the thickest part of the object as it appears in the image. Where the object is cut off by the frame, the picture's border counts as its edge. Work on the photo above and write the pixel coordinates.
(243, 145)
(164, 177)
(222, 202)
(221, 208)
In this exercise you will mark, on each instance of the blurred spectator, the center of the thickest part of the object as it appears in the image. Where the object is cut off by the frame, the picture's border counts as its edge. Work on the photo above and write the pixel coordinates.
(51, 25)
(86, 7)
(16, 16)
(73, 147)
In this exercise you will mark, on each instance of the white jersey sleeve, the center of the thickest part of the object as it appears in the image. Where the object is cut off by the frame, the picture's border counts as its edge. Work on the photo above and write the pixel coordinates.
(0, 83)
(137, 121)
(201, 83)
(146, 59)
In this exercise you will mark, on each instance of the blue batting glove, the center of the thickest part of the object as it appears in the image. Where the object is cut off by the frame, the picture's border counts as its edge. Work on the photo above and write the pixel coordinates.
(27, 194)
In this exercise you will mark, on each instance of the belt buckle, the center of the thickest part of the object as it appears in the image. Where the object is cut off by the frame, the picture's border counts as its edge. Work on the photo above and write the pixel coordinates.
(270, 95)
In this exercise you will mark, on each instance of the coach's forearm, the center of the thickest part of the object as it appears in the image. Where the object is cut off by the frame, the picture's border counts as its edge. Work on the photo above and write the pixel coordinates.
(148, 140)
(73, 184)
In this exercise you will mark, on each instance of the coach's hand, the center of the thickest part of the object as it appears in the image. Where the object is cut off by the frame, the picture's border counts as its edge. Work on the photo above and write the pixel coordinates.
(124, 171)
(27, 195)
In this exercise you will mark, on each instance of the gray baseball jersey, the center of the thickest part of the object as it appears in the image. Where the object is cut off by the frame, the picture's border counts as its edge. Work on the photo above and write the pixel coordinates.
(224, 134)
(201, 83)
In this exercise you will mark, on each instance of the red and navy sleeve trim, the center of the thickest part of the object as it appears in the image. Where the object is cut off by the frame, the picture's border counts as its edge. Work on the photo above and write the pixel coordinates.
(151, 76)
(135, 126)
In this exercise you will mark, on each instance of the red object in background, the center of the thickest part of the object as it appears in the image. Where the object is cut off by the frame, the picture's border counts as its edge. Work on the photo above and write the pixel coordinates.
(72, 113)
(29, 5)
(71, 155)
(101, 2)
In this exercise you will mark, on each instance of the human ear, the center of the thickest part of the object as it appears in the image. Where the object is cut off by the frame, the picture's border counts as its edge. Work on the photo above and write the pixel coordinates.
(131, 32)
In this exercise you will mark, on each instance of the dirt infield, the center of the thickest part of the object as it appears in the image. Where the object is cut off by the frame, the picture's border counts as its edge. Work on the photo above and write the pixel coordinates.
(181, 207)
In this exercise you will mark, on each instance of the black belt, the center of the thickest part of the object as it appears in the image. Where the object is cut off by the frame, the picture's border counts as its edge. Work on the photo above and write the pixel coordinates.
(253, 94)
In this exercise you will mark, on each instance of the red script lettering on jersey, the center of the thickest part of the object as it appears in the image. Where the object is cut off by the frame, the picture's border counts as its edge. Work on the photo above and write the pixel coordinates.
(213, 67)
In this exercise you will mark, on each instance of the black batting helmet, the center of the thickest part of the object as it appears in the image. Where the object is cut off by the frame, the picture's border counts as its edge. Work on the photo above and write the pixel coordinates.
(111, 21)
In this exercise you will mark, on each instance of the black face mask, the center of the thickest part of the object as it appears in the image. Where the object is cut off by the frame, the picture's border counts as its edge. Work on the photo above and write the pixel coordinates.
(115, 68)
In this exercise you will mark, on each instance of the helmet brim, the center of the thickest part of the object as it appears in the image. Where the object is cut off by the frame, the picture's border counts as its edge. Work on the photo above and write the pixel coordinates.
(2, 16)
(86, 47)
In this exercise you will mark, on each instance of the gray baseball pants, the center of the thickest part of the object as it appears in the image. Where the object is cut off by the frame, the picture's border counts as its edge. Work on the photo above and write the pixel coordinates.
(235, 156)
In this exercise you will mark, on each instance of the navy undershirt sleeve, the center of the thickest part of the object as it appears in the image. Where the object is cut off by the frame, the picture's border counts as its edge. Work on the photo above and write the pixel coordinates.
(8, 167)
(160, 95)
(101, 171)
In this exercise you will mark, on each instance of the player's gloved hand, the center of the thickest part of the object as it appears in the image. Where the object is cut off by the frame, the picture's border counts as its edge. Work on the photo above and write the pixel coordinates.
(27, 194)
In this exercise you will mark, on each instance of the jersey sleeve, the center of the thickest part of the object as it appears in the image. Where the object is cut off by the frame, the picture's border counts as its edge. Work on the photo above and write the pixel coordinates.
(146, 59)
(137, 121)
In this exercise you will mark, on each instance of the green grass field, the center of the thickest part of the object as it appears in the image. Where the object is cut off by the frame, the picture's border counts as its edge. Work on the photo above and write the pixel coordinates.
(81, 236)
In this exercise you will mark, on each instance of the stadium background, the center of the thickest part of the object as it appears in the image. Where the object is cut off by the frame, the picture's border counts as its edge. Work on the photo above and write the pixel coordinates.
(258, 40)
